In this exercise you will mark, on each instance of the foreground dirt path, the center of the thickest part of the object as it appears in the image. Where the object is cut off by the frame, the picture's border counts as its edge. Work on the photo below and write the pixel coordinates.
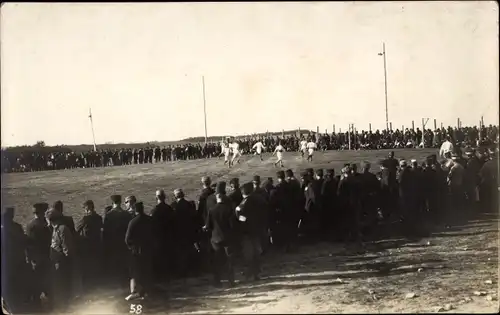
(437, 274)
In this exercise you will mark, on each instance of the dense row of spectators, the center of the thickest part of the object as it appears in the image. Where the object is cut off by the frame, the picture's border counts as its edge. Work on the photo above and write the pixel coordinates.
(34, 159)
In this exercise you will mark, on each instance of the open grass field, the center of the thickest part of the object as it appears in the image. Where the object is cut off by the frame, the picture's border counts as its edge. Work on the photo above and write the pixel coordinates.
(391, 275)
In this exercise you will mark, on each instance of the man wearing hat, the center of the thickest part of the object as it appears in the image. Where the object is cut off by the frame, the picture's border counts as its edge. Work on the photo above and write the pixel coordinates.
(115, 226)
(488, 187)
(235, 192)
(202, 200)
(368, 197)
(14, 267)
(186, 233)
(66, 220)
(90, 245)
(329, 198)
(455, 183)
(471, 178)
(407, 197)
(162, 217)
(139, 239)
(38, 251)
(285, 218)
(252, 221)
(62, 255)
(221, 223)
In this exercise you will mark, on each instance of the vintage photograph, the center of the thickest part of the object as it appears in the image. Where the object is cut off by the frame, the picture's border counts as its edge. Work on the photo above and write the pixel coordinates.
(249, 157)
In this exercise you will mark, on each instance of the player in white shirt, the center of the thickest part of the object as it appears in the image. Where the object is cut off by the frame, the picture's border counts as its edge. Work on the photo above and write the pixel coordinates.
(235, 147)
(303, 147)
(258, 147)
(446, 147)
(311, 146)
(279, 153)
(226, 150)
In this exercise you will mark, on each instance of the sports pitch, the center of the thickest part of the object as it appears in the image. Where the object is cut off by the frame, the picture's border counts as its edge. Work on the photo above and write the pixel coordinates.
(442, 271)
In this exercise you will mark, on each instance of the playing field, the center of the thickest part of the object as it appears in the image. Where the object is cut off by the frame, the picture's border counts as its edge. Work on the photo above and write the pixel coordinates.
(324, 278)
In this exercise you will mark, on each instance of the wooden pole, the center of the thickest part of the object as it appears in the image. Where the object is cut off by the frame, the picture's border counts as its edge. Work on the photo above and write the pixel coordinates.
(204, 108)
(441, 125)
(333, 128)
(370, 127)
(458, 122)
(435, 124)
(92, 126)
(390, 126)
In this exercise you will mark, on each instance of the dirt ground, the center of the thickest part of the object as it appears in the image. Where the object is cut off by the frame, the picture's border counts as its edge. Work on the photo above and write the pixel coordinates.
(453, 270)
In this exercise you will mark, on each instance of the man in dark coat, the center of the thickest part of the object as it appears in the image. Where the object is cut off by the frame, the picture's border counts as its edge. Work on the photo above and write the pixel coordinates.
(368, 195)
(62, 257)
(115, 226)
(162, 217)
(297, 201)
(221, 222)
(306, 226)
(235, 192)
(89, 230)
(329, 200)
(38, 252)
(185, 233)
(488, 186)
(202, 200)
(389, 185)
(285, 219)
(252, 221)
(14, 267)
(471, 179)
(407, 198)
(139, 239)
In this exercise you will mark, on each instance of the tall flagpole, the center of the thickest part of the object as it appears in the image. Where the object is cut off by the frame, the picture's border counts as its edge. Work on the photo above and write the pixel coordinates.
(204, 108)
(92, 126)
(385, 86)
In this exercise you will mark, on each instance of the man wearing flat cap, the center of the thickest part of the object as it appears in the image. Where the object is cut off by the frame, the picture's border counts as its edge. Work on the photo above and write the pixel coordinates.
(38, 251)
(115, 226)
(90, 245)
(162, 217)
(186, 233)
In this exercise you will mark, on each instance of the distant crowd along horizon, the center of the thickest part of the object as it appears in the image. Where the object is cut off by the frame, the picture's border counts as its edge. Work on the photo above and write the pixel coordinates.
(41, 158)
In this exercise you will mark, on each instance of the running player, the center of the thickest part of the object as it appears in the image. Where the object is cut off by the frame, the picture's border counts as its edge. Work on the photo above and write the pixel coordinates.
(303, 147)
(311, 146)
(258, 147)
(235, 147)
(279, 153)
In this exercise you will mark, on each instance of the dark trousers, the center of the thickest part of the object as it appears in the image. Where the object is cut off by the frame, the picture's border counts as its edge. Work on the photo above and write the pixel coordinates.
(222, 262)
(251, 246)
(140, 273)
(61, 281)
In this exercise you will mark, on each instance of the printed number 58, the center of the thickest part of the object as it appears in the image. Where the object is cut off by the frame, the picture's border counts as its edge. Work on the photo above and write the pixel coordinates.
(135, 309)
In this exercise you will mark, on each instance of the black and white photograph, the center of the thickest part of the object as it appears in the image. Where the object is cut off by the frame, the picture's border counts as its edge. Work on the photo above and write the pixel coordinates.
(249, 157)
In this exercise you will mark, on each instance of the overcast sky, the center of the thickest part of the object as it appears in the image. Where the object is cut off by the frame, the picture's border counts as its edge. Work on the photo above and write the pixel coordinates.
(267, 66)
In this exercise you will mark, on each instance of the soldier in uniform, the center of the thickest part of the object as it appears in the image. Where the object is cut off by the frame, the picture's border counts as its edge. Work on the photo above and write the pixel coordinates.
(221, 223)
(115, 226)
(38, 252)
(407, 187)
(89, 230)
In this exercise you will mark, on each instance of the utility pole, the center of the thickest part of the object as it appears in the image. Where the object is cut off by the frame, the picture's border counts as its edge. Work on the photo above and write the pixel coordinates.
(92, 126)
(204, 108)
(383, 54)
